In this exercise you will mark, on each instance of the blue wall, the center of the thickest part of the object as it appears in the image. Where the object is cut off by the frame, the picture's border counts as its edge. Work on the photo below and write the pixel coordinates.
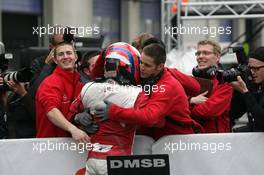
(22, 6)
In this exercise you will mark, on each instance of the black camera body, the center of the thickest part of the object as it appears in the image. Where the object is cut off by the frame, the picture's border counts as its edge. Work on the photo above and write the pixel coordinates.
(22, 75)
(4, 58)
(241, 70)
(206, 73)
(68, 35)
(231, 74)
(3, 63)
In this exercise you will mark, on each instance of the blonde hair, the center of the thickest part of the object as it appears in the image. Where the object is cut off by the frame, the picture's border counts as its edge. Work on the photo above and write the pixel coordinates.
(216, 46)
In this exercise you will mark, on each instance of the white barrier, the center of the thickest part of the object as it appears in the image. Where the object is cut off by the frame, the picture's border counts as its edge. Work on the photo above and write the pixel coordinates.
(217, 154)
(142, 145)
(40, 157)
(52, 156)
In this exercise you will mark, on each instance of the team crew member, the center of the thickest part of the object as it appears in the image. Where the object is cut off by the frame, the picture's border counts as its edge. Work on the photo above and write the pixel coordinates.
(55, 95)
(191, 86)
(211, 110)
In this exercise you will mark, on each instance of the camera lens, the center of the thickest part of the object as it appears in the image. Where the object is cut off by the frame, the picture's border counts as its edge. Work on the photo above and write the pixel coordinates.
(10, 76)
(23, 75)
(230, 75)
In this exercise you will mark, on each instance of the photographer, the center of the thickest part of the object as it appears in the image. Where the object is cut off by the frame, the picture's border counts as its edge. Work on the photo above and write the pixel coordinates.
(17, 107)
(251, 101)
(21, 111)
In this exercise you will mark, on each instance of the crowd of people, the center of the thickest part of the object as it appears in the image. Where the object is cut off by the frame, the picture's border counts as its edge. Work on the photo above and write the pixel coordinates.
(126, 89)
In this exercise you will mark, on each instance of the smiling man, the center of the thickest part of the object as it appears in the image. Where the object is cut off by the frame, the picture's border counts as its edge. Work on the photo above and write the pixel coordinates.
(252, 102)
(55, 95)
(211, 110)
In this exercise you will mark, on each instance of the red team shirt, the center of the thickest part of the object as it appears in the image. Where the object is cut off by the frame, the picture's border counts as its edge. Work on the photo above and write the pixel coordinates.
(57, 91)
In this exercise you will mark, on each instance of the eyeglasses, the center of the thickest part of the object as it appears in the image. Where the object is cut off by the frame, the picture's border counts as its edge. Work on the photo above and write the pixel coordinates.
(255, 68)
(203, 52)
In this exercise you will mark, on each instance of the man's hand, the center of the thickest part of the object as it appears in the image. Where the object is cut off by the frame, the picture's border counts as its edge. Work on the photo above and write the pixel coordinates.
(50, 57)
(101, 111)
(239, 85)
(199, 99)
(18, 88)
(58, 119)
(1, 81)
(79, 135)
(91, 129)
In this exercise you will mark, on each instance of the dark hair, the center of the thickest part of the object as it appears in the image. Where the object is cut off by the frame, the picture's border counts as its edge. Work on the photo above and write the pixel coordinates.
(52, 40)
(87, 56)
(59, 29)
(157, 52)
(153, 40)
(258, 54)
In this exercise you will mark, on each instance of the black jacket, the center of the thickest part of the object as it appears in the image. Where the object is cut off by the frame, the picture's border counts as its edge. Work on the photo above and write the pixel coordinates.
(3, 125)
(21, 117)
(251, 103)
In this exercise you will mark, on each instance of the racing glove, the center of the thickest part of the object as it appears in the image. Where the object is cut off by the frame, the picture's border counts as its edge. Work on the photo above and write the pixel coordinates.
(86, 122)
(101, 111)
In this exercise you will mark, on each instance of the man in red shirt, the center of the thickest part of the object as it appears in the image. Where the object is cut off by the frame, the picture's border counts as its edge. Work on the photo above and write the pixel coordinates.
(190, 85)
(55, 95)
(166, 100)
(211, 110)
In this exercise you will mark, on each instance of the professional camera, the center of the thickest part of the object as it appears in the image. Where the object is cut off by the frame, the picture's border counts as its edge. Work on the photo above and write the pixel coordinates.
(23, 75)
(4, 57)
(241, 70)
(68, 35)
